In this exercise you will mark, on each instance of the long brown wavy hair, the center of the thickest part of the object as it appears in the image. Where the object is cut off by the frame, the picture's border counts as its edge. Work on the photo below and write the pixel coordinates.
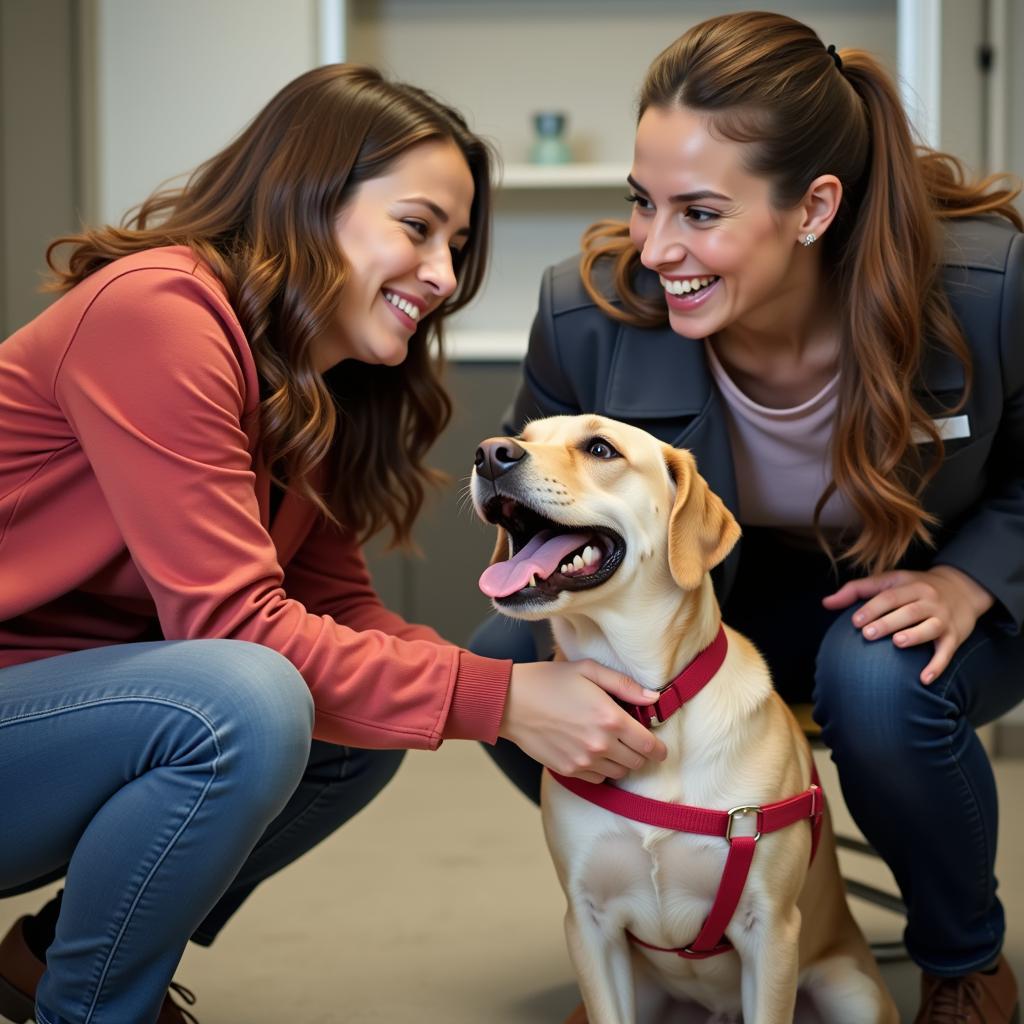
(261, 214)
(767, 80)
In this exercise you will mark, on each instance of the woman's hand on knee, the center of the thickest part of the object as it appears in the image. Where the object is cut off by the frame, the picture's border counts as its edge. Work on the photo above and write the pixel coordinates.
(560, 713)
(941, 605)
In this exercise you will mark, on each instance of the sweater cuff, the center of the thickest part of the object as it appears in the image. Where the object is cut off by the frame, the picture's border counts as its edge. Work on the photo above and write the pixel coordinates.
(478, 700)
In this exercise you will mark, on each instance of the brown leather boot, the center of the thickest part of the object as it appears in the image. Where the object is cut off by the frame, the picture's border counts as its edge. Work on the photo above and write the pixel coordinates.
(21, 971)
(578, 1016)
(973, 999)
(171, 1012)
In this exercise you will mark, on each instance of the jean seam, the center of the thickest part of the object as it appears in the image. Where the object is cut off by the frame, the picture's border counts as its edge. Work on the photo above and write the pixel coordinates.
(145, 699)
(965, 780)
(119, 699)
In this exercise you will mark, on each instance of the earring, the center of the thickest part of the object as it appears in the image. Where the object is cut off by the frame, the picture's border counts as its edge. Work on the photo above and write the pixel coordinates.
(809, 239)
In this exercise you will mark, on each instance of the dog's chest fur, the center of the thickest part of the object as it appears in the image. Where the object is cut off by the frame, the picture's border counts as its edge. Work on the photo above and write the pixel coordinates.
(659, 884)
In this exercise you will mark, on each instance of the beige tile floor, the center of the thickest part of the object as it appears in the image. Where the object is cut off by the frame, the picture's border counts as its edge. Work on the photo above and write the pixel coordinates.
(438, 905)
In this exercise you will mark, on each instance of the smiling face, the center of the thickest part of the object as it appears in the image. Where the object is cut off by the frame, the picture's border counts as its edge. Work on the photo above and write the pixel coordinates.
(399, 235)
(723, 253)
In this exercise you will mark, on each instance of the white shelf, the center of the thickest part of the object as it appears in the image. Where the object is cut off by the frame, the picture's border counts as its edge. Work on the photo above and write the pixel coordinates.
(485, 346)
(544, 176)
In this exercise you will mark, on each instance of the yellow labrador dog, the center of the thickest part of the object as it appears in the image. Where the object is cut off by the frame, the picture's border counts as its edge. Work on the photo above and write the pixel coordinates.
(610, 534)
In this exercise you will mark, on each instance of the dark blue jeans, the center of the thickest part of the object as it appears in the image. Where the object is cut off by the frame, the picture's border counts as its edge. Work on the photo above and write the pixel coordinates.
(914, 775)
(165, 780)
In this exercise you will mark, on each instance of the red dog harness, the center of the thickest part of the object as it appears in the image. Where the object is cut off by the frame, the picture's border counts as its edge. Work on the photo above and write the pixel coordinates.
(807, 806)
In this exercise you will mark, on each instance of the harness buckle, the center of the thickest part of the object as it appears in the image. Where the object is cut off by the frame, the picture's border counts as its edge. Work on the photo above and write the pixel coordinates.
(739, 812)
(817, 801)
(689, 953)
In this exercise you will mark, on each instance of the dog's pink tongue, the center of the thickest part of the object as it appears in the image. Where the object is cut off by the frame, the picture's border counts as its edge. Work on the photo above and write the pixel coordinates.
(543, 555)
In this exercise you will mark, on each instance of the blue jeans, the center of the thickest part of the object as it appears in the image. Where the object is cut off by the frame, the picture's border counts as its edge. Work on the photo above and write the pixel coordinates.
(918, 782)
(166, 780)
(914, 775)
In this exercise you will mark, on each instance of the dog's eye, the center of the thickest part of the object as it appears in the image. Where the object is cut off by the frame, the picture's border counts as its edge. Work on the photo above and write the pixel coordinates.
(601, 449)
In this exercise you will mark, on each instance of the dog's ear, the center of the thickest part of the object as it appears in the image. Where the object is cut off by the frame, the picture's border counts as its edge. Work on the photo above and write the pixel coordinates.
(500, 552)
(701, 530)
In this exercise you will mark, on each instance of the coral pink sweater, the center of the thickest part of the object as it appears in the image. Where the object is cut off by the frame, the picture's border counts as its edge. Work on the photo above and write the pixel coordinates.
(134, 505)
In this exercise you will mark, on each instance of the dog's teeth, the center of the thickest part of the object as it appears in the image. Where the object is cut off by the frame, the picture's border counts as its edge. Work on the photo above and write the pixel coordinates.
(533, 580)
(591, 555)
(565, 570)
(578, 562)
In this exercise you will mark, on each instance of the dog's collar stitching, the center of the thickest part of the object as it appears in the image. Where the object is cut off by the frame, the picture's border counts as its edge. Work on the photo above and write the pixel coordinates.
(693, 678)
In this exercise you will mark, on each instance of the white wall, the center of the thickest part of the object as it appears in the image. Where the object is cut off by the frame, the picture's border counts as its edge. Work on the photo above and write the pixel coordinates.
(174, 80)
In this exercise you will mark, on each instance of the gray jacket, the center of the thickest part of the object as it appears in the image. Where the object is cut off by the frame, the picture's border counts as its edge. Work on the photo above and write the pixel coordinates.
(579, 360)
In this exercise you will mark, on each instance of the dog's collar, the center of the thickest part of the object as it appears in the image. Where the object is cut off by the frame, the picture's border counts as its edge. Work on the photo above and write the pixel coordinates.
(686, 685)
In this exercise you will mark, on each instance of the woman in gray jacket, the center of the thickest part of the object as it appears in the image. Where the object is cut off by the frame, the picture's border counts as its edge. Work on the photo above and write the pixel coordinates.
(831, 321)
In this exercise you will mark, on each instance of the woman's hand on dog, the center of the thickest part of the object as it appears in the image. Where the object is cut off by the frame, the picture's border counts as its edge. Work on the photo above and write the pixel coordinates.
(941, 605)
(559, 713)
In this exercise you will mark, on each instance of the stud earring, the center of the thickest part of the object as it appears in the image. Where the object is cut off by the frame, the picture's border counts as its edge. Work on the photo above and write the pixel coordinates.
(809, 239)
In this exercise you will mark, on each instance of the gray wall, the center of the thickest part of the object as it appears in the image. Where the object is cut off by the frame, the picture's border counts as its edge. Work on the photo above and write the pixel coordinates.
(39, 177)
(175, 80)
(438, 587)
(1013, 52)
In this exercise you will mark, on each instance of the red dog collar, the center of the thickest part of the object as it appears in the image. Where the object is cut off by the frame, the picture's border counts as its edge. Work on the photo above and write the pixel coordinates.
(686, 685)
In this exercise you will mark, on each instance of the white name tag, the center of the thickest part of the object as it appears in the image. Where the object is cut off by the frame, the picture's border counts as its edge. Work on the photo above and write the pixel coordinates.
(950, 428)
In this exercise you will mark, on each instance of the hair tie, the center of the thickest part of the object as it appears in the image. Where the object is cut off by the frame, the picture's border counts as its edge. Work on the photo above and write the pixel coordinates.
(831, 51)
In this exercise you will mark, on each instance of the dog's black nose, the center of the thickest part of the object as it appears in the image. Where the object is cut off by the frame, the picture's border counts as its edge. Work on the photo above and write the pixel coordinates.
(496, 456)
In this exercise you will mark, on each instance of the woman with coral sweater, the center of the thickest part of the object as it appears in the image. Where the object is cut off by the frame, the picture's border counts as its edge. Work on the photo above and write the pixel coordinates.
(232, 393)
